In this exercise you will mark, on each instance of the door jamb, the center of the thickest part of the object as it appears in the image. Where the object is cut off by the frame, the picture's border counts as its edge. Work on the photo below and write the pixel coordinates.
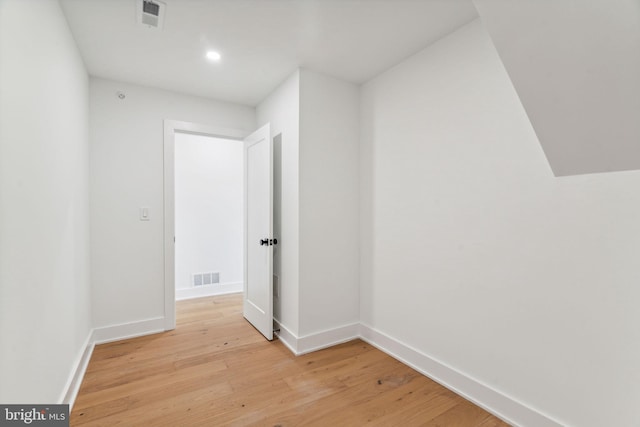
(170, 129)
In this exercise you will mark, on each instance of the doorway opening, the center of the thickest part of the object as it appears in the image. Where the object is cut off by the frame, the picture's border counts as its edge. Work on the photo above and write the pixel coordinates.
(209, 212)
(257, 221)
(177, 129)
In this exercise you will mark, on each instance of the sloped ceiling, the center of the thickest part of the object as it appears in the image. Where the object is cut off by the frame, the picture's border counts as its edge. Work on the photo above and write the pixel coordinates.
(575, 65)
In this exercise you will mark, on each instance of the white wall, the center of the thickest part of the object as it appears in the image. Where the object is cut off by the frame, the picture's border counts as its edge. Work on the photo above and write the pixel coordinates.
(475, 254)
(209, 209)
(281, 109)
(575, 66)
(329, 287)
(126, 174)
(44, 203)
(314, 119)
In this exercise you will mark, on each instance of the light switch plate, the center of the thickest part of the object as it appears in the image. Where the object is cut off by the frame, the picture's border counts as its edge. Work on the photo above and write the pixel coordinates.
(144, 214)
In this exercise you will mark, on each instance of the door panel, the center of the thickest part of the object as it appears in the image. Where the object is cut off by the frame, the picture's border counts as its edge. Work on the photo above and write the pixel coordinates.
(258, 289)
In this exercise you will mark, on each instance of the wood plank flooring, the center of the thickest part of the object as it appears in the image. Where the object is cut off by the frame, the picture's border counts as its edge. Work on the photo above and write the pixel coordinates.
(216, 370)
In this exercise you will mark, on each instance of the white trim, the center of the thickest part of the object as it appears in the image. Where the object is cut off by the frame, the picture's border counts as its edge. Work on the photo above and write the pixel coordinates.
(499, 404)
(71, 388)
(169, 226)
(328, 338)
(170, 128)
(209, 290)
(207, 130)
(316, 341)
(101, 336)
(128, 330)
(494, 401)
(288, 338)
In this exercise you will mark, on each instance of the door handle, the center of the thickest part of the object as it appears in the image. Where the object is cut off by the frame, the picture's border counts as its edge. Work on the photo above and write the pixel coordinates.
(264, 242)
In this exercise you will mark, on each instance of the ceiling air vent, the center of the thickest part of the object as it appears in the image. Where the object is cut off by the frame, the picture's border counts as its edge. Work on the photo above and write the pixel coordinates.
(150, 13)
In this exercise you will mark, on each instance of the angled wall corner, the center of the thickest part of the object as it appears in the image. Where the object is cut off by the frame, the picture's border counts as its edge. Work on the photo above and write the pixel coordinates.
(575, 67)
(281, 108)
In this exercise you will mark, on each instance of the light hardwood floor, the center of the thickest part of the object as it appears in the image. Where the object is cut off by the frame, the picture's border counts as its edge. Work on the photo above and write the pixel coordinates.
(216, 370)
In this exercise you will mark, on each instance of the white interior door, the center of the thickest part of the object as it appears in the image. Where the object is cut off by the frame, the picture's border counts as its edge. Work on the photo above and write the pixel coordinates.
(259, 241)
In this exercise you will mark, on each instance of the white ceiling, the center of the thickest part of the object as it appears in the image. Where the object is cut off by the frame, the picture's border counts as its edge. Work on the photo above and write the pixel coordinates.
(261, 41)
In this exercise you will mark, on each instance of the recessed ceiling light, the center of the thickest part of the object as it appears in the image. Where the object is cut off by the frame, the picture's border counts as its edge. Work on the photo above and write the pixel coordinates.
(213, 55)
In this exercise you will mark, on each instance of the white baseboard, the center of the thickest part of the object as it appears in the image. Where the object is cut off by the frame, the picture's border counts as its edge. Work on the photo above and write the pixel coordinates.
(316, 341)
(328, 338)
(128, 330)
(502, 406)
(208, 290)
(101, 336)
(71, 388)
(288, 338)
(499, 404)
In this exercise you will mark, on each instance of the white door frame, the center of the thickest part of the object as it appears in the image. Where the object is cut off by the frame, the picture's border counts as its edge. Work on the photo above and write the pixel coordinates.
(170, 129)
